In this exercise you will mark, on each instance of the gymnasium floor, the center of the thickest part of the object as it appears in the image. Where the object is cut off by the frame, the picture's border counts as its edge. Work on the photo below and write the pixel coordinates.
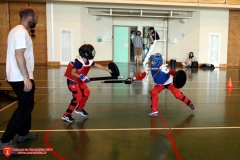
(118, 126)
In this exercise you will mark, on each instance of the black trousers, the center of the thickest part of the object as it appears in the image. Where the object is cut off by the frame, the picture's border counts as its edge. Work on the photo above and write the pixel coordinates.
(20, 122)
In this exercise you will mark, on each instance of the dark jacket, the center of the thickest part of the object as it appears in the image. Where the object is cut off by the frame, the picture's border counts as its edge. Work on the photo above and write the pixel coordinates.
(153, 35)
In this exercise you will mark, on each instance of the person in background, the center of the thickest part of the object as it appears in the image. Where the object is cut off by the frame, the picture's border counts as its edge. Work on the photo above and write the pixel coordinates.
(138, 47)
(19, 70)
(153, 35)
(190, 59)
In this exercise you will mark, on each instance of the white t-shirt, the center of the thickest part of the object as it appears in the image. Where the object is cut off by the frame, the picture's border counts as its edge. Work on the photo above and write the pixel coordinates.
(19, 38)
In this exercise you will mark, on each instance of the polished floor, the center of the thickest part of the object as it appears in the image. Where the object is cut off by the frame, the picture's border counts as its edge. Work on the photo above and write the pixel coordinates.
(118, 126)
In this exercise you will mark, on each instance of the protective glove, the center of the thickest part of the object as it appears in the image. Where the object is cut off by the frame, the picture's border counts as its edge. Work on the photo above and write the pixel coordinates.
(129, 80)
(84, 78)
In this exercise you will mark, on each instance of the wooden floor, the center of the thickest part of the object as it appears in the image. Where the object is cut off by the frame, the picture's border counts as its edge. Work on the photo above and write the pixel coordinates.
(118, 126)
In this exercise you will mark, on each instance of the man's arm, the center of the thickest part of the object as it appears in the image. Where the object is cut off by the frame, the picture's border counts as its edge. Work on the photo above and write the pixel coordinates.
(21, 62)
(150, 37)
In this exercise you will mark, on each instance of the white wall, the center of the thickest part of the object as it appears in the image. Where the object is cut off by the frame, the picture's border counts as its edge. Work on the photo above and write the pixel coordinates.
(214, 21)
(91, 29)
(65, 16)
(187, 38)
(135, 21)
(86, 28)
(196, 35)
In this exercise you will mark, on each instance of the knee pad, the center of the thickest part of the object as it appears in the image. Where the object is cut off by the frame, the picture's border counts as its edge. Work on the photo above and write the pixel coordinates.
(77, 98)
(154, 92)
(86, 92)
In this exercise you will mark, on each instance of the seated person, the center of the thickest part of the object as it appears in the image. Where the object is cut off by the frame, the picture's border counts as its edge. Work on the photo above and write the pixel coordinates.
(191, 58)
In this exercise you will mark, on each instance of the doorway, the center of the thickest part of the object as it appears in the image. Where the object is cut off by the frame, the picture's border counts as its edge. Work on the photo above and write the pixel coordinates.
(123, 48)
(146, 41)
(133, 31)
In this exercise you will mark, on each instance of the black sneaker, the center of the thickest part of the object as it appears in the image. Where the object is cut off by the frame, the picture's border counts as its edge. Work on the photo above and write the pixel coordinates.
(14, 149)
(27, 137)
(82, 112)
(192, 107)
(68, 118)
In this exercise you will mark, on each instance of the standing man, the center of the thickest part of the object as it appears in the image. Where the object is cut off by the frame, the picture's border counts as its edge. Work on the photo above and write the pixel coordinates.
(153, 35)
(138, 47)
(19, 69)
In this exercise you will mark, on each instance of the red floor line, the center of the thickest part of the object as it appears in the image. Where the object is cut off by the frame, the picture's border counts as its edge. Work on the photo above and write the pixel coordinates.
(46, 137)
(47, 143)
(175, 149)
(173, 144)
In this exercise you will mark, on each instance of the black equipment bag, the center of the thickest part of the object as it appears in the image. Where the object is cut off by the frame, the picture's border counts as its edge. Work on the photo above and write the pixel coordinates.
(194, 64)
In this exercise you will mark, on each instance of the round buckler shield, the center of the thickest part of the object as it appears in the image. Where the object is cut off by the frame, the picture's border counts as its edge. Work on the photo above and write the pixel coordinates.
(179, 79)
(114, 68)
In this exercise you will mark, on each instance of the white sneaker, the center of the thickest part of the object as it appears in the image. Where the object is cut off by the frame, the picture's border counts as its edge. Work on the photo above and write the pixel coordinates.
(68, 118)
(153, 113)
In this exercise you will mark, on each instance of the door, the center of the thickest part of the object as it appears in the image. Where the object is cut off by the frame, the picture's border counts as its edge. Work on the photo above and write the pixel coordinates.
(121, 44)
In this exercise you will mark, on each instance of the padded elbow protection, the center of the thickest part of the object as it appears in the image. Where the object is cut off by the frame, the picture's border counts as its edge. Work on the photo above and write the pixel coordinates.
(141, 76)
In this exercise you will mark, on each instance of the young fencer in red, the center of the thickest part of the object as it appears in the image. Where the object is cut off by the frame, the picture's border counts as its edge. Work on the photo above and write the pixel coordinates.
(76, 74)
(163, 79)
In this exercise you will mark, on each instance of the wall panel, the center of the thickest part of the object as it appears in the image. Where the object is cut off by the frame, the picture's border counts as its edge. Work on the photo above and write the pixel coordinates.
(40, 39)
(185, 1)
(233, 39)
(4, 28)
(14, 8)
(10, 18)
(212, 1)
(234, 2)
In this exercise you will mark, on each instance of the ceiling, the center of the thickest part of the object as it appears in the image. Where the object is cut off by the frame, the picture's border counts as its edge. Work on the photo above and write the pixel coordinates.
(117, 8)
(142, 13)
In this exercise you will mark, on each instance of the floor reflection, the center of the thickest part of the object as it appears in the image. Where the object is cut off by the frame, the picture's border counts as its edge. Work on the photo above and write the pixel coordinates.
(203, 135)
(190, 72)
(80, 140)
(161, 144)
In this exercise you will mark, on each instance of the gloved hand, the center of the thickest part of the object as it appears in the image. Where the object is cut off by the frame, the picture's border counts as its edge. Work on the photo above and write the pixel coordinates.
(84, 78)
(129, 80)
